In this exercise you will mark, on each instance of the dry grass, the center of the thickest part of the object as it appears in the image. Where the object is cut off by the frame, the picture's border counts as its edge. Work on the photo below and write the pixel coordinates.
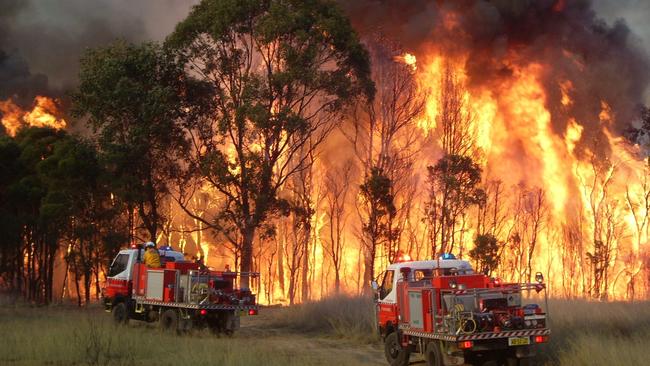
(68, 336)
(334, 331)
(349, 318)
(594, 333)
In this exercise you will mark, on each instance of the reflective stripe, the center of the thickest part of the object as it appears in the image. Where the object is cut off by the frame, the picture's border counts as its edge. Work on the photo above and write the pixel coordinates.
(478, 336)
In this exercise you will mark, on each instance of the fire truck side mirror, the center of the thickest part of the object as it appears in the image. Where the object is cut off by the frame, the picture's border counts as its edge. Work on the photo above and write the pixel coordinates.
(539, 277)
(374, 285)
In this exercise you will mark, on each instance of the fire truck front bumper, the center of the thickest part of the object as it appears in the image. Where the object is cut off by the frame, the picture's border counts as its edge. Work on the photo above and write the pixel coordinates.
(108, 303)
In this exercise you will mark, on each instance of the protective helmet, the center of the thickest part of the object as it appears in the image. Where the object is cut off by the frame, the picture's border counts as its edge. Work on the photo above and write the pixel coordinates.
(149, 244)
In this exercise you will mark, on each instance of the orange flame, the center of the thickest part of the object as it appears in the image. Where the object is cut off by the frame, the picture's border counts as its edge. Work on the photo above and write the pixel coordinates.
(43, 114)
(408, 59)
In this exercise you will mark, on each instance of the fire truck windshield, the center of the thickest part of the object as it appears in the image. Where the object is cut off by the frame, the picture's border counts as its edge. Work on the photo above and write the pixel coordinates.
(386, 285)
(421, 274)
(119, 265)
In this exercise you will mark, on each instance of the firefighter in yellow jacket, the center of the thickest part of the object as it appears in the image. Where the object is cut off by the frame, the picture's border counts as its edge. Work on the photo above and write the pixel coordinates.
(151, 256)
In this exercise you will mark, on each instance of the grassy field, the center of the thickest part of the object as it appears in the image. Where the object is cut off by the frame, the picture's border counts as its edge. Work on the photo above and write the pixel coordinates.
(336, 331)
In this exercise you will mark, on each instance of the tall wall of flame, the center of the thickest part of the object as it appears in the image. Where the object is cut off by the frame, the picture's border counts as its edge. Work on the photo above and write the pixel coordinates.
(553, 89)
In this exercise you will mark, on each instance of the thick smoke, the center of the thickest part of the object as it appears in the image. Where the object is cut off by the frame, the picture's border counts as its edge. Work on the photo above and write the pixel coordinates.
(15, 77)
(41, 41)
(604, 61)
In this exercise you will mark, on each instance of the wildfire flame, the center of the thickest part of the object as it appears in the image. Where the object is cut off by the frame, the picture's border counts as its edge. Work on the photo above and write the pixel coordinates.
(409, 59)
(519, 145)
(44, 114)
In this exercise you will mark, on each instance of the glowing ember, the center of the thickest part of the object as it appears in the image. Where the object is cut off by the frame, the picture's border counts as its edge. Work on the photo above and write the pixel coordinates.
(409, 59)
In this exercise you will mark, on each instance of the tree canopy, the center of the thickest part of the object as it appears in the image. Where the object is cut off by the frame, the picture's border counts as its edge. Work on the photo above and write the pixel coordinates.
(132, 97)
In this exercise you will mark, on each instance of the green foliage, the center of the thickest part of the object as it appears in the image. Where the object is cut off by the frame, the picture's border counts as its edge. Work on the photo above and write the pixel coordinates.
(377, 191)
(302, 33)
(132, 96)
(485, 253)
(52, 197)
(458, 177)
(10, 222)
(453, 187)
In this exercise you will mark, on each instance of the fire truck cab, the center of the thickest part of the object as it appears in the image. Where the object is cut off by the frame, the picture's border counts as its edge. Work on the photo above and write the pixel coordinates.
(121, 271)
(451, 315)
(180, 294)
(387, 292)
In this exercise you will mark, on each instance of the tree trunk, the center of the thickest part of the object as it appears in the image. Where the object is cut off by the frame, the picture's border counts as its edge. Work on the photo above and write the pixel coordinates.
(368, 272)
(247, 254)
(337, 280)
(281, 245)
(76, 285)
(305, 268)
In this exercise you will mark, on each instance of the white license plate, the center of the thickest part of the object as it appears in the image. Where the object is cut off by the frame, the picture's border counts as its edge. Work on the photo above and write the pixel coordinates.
(518, 341)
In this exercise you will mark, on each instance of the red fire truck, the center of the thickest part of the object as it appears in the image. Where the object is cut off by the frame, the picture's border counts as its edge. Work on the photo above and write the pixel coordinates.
(445, 311)
(180, 295)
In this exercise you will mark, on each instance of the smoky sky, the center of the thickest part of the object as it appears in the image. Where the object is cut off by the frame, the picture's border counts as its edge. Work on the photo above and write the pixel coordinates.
(41, 40)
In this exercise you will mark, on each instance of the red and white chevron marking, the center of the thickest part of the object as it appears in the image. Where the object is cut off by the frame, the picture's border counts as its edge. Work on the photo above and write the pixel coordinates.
(477, 336)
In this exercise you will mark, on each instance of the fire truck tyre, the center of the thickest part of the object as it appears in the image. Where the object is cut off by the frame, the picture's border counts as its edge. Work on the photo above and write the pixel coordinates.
(395, 354)
(169, 320)
(433, 354)
(120, 313)
(513, 361)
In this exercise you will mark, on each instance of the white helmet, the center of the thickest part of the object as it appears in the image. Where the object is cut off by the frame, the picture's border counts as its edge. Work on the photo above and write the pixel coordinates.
(149, 244)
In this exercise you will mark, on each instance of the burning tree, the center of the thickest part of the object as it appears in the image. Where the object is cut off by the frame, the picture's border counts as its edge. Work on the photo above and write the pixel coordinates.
(453, 188)
(529, 216)
(337, 187)
(276, 75)
(638, 204)
(455, 125)
(485, 253)
(299, 192)
(376, 230)
(384, 135)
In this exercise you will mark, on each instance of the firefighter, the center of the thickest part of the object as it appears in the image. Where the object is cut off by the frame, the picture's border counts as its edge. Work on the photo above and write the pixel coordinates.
(151, 256)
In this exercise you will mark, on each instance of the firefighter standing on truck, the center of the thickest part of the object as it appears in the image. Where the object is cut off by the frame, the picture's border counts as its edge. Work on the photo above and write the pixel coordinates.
(151, 256)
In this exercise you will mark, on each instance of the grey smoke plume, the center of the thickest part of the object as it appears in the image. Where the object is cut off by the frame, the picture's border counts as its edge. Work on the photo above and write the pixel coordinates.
(41, 41)
(608, 61)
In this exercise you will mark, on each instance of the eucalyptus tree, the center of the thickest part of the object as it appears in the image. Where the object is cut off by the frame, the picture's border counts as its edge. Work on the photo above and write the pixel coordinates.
(277, 75)
(132, 96)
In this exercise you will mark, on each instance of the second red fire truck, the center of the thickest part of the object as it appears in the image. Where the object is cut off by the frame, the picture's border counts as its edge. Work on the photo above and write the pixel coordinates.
(180, 295)
(451, 315)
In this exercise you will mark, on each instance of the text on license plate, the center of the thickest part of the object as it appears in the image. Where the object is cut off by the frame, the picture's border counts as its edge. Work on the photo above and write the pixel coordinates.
(518, 341)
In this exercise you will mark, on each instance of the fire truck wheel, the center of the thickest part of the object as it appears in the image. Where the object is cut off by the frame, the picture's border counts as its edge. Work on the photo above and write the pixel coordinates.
(120, 313)
(513, 361)
(433, 354)
(395, 354)
(169, 320)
